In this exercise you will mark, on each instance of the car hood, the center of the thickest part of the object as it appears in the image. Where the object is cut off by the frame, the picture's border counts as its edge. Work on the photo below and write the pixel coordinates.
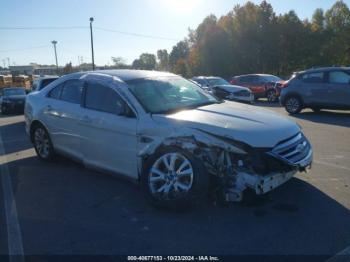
(248, 124)
(233, 88)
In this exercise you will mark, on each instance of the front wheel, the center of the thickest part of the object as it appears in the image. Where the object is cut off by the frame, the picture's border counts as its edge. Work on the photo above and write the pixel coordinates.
(293, 105)
(174, 179)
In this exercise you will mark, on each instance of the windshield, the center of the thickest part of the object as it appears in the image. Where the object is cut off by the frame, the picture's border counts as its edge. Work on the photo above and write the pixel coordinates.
(14, 92)
(169, 94)
(217, 82)
(271, 78)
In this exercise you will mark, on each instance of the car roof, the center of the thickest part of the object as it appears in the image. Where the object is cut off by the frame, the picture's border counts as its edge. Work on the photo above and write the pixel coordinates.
(323, 69)
(130, 74)
(206, 77)
(255, 75)
(47, 77)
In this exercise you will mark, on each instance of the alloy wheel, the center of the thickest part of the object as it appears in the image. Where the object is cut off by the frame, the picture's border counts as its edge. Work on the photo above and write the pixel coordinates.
(42, 142)
(170, 177)
(293, 105)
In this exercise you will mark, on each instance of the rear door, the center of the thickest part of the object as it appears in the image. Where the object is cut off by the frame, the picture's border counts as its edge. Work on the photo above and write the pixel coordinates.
(61, 116)
(339, 88)
(69, 115)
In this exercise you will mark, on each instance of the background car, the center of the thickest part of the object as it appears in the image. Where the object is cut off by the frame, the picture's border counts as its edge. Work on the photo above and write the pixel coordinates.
(321, 88)
(41, 82)
(12, 99)
(224, 90)
(262, 85)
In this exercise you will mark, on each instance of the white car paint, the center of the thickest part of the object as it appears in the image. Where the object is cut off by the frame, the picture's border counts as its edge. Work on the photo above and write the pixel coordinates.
(256, 127)
(115, 143)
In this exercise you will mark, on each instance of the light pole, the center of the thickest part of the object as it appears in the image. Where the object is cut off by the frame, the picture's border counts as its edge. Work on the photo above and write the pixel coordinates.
(54, 42)
(92, 44)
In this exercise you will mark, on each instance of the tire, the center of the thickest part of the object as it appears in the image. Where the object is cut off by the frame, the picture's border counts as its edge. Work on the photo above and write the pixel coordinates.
(165, 188)
(293, 105)
(42, 143)
(4, 111)
(271, 96)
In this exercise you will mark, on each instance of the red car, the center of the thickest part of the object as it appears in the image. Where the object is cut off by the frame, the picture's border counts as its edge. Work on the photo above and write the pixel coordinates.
(262, 85)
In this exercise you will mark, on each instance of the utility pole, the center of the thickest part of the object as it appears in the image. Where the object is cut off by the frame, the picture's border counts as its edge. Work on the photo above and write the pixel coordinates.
(54, 42)
(92, 44)
(4, 62)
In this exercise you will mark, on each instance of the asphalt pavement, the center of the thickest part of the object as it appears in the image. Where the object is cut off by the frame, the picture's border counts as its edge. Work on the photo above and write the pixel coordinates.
(64, 208)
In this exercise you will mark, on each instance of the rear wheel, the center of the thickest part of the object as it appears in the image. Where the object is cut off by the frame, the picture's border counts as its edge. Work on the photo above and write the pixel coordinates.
(174, 179)
(42, 143)
(271, 95)
(293, 105)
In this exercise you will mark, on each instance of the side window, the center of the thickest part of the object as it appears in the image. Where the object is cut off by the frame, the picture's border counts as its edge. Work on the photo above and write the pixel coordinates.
(55, 93)
(255, 79)
(313, 77)
(248, 79)
(243, 79)
(72, 91)
(103, 98)
(339, 77)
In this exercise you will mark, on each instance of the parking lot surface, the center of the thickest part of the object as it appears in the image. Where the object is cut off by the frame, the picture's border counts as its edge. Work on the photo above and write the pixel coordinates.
(64, 208)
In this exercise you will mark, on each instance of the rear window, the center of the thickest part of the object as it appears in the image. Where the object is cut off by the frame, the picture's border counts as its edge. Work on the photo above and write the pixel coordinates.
(339, 77)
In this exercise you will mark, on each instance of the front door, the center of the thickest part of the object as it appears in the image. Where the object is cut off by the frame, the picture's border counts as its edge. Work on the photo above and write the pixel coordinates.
(316, 89)
(109, 138)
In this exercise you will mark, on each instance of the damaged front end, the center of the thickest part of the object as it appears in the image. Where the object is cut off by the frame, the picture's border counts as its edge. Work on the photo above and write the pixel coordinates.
(236, 166)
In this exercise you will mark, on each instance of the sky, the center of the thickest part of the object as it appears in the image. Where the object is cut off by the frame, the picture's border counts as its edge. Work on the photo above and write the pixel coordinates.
(166, 21)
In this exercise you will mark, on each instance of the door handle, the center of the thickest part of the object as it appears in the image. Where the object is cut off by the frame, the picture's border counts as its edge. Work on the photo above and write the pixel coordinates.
(86, 119)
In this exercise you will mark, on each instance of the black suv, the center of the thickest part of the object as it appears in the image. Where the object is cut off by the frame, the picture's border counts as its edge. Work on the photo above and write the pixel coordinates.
(321, 88)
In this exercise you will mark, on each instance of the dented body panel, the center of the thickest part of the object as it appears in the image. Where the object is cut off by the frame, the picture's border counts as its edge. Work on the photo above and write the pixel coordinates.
(235, 142)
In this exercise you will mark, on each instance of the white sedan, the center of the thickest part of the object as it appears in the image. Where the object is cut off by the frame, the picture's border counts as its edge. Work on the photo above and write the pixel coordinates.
(166, 133)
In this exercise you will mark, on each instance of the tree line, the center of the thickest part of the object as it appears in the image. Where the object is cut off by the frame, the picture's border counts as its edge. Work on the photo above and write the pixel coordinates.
(252, 38)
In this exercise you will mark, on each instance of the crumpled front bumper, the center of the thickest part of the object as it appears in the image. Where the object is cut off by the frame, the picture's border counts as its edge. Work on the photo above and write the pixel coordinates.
(262, 184)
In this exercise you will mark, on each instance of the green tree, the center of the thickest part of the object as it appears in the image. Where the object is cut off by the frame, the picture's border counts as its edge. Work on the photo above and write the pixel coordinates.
(146, 62)
(119, 62)
(179, 51)
(163, 58)
(318, 20)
